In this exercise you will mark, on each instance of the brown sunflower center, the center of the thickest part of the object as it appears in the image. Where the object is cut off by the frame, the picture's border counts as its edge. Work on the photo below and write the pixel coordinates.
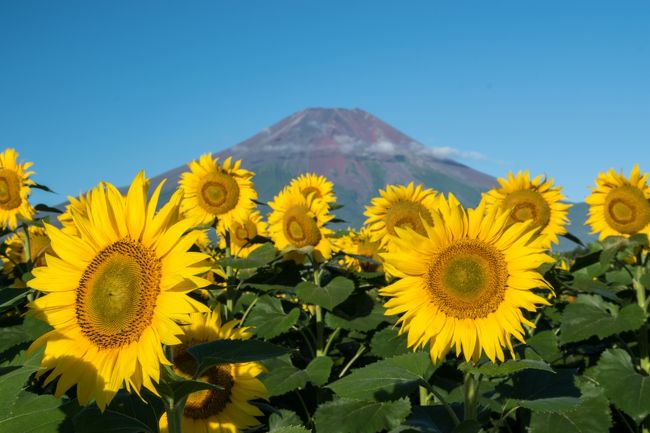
(9, 189)
(312, 189)
(527, 205)
(243, 233)
(117, 294)
(300, 228)
(407, 215)
(468, 279)
(627, 210)
(219, 193)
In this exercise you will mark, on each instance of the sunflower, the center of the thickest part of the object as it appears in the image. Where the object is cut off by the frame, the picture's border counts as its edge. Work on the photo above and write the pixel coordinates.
(14, 190)
(242, 231)
(359, 244)
(213, 190)
(313, 183)
(114, 291)
(223, 411)
(298, 222)
(401, 206)
(39, 245)
(465, 282)
(75, 205)
(532, 199)
(619, 206)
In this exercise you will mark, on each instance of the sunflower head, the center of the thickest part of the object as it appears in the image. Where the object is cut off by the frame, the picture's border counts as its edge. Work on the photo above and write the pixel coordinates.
(213, 411)
(620, 206)
(312, 183)
(359, 244)
(242, 231)
(534, 200)
(465, 281)
(39, 244)
(298, 222)
(399, 206)
(214, 190)
(14, 190)
(113, 291)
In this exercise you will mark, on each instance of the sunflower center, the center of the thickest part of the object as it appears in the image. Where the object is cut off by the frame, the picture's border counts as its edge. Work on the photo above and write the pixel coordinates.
(627, 210)
(117, 294)
(243, 233)
(407, 215)
(527, 205)
(9, 189)
(299, 228)
(309, 189)
(467, 279)
(219, 193)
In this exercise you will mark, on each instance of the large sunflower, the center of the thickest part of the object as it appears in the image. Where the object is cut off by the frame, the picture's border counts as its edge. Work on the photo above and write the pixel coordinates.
(14, 190)
(535, 200)
(313, 183)
(401, 206)
(241, 233)
(465, 282)
(213, 190)
(223, 411)
(114, 291)
(619, 206)
(299, 222)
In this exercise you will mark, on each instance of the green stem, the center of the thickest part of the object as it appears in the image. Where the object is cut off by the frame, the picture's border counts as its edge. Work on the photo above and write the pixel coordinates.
(320, 325)
(27, 249)
(356, 356)
(330, 339)
(471, 392)
(644, 350)
(174, 415)
(442, 400)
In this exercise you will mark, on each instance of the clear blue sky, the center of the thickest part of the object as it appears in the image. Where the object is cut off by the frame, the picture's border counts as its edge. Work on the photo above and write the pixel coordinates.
(97, 90)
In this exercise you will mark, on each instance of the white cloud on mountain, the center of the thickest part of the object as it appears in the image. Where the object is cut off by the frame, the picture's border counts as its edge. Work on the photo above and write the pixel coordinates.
(447, 152)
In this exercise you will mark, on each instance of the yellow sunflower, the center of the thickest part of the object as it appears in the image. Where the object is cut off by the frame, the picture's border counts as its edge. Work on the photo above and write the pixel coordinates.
(223, 411)
(535, 200)
(14, 190)
(359, 244)
(213, 190)
(297, 221)
(114, 291)
(465, 282)
(75, 205)
(313, 183)
(619, 206)
(401, 206)
(39, 245)
(242, 231)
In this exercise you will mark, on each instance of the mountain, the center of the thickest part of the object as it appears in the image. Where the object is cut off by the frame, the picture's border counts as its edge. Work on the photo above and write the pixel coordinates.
(354, 149)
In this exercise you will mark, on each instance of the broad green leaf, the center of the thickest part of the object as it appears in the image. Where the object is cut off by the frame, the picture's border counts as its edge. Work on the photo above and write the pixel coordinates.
(427, 419)
(319, 370)
(258, 258)
(328, 296)
(511, 366)
(269, 319)
(283, 418)
(233, 351)
(362, 313)
(33, 413)
(387, 379)
(387, 343)
(624, 387)
(545, 345)
(551, 405)
(353, 416)
(12, 381)
(532, 385)
(290, 429)
(282, 377)
(93, 420)
(590, 316)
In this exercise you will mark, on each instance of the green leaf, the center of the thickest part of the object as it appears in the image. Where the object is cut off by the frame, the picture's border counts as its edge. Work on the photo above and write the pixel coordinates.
(283, 377)
(269, 319)
(337, 291)
(233, 351)
(13, 378)
(387, 379)
(290, 429)
(388, 342)
(283, 418)
(624, 387)
(32, 413)
(511, 366)
(353, 416)
(590, 316)
(530, 386)
(319, 370)
(427, 419)
(109, 421)
(551, 405)
(366, 314)
(545, 345)
(45, 208)
(258, 258)
(467, 426)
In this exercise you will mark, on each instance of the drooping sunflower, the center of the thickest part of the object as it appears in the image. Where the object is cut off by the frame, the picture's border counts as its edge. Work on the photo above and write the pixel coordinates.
(214, 190)
(39, 245)
(535, 200)
(359, 244)
(298, 222)
(619, 206)
(309, 183)
(401, 206)
(242, 231)
(114, 292)
(465, 282)
(14, 190)
(223, 411)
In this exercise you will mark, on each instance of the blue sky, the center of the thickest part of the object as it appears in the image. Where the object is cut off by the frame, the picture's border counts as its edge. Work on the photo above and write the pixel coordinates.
(94, 91)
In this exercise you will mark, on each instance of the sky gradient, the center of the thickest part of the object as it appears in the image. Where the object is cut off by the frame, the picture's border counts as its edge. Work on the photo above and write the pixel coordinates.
(94, 91)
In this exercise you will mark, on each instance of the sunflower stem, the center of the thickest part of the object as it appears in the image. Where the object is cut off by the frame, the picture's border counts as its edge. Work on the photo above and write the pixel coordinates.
(27, 248)
(174, 411)
(644, 350)
(442, 400)
(320, 325)
(471, 392)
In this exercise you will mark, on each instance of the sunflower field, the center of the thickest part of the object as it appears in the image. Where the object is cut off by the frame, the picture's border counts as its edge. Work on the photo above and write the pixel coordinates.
(214, 312)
